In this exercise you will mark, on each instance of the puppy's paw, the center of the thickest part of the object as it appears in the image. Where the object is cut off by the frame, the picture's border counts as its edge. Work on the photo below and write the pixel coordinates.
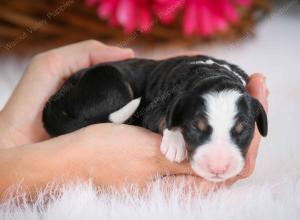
(173, 145)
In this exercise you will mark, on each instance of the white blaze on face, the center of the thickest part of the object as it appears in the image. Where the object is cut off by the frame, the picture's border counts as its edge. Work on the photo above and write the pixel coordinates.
(219, 158)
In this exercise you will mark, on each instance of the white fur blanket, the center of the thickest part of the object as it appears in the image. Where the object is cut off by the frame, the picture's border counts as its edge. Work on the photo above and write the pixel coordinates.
(273, 192)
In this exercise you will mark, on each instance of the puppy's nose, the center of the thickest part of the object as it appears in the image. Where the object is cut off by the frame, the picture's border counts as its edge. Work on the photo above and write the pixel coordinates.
(219, 168)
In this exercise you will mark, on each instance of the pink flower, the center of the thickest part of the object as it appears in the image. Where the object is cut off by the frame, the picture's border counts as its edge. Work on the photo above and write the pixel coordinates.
(201, 17)
(167, 10)
(205, 17)
(130, 14)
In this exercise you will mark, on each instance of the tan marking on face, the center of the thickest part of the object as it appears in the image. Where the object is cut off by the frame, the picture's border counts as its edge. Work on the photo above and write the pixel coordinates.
(202, 124)
(239, 127)
(162, 124)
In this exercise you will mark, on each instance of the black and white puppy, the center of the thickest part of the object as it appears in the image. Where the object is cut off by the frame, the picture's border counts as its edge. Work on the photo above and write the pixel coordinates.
(199, 104)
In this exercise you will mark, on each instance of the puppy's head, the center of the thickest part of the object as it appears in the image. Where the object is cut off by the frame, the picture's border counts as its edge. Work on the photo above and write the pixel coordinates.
(218, 127)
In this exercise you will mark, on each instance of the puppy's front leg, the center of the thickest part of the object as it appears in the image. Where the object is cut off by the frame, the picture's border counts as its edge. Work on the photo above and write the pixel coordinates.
(173, 145)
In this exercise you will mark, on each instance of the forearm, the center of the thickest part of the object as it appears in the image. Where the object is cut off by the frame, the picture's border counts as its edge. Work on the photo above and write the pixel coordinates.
(34, 166)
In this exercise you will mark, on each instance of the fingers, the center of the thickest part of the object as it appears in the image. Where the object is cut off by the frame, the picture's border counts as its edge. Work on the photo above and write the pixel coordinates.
(71, 58)
(258, 89)
(251, 156)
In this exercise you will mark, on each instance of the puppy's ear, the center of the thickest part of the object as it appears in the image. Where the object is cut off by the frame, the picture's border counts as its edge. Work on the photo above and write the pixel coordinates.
(260, 117)
(173, 116)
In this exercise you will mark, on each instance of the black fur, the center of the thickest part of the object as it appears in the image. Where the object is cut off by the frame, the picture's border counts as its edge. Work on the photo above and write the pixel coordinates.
(171, 92)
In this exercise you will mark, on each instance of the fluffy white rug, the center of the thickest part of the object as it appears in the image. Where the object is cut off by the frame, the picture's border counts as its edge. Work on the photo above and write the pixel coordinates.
(279, 199)
(273, 192)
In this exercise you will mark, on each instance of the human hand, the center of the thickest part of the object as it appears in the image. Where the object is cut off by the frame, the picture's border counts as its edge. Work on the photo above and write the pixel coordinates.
(116, 155)
(20, 120)
(22, 116)
(110, 155)
(20, 124)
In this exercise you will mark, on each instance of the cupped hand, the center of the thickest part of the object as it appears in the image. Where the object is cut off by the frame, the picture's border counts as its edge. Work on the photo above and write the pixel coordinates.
(108, 153)
(21, 117)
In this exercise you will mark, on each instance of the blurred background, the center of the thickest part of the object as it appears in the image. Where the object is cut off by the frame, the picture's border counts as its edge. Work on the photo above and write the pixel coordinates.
(30, 26)
(258, 35)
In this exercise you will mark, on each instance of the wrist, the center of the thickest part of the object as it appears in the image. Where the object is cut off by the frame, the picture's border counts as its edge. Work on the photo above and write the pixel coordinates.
(15, 134)
(6, 134)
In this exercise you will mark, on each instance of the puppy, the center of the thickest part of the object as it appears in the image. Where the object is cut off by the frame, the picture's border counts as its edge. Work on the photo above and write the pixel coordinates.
(199, 104)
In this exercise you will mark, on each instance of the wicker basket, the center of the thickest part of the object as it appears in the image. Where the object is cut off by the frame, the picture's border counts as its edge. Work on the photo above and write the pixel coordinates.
(30, 26)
